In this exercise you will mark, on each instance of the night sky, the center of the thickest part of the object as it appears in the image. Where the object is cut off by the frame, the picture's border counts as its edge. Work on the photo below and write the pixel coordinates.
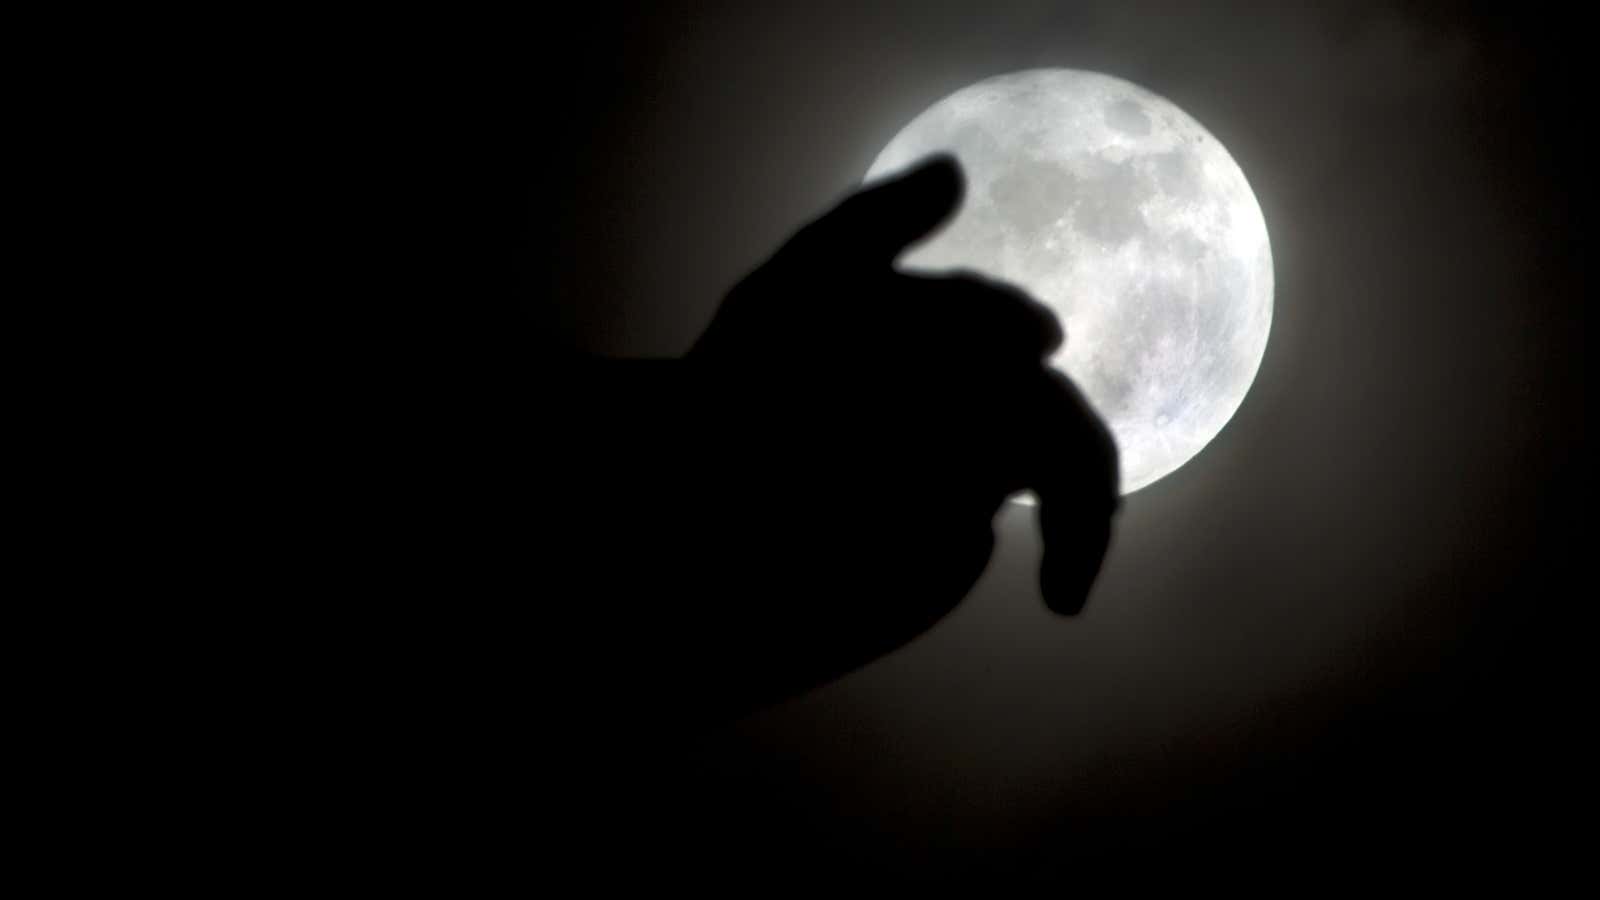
(1329, 638)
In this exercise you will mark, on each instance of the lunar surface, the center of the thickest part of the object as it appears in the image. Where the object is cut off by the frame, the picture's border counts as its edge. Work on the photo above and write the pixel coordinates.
(1123, 215)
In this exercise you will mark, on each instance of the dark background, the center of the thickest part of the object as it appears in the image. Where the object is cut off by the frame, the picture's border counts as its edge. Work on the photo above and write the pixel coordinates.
(1330, 640)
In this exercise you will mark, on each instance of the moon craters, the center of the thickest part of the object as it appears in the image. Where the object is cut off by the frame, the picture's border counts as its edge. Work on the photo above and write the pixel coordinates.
(1108, 204)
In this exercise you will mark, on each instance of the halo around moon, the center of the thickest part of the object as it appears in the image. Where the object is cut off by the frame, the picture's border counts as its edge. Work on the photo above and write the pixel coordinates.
(1128, 219)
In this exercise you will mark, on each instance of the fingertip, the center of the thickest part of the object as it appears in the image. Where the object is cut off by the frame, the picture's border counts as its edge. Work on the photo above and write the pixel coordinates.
(1053, 334)
(940, 175)
(923, 197)
(1059, 598)
(888, 216)
(1067, 574)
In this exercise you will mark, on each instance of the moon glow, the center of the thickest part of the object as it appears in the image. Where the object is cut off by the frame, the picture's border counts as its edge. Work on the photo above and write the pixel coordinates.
(1133, 224)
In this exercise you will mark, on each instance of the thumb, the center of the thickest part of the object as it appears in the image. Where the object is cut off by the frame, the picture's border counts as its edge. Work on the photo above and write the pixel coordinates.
(1075, 474)
(873, 226)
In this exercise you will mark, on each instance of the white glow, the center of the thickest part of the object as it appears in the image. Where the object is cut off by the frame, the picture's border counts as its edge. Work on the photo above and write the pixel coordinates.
(1128, 219)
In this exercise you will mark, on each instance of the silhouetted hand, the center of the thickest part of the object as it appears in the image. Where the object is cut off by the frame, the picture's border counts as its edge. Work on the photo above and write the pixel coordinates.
(879, 419)
(828, 459)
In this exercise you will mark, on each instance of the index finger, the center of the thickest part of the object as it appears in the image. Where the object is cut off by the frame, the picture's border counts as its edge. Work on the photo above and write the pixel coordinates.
(875, 224)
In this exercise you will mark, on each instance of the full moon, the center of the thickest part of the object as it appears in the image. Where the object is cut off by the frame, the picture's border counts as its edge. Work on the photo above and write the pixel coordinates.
(1128, 219)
